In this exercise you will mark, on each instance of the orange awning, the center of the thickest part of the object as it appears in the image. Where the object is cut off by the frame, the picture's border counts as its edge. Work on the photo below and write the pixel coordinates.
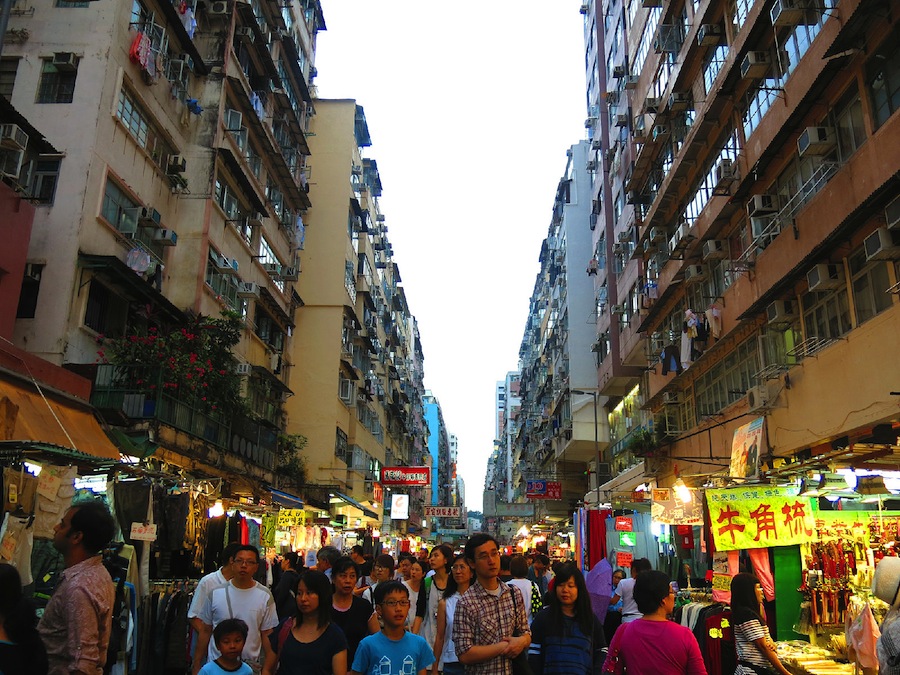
(52, 420)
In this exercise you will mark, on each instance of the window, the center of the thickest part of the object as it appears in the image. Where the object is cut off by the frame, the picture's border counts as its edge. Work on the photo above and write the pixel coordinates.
(884, 81)
(350, 280)
(119, 209)
(848, 119)
(66, 3)
(267, 257)
(57, 84)
(142, 128)
(728, 380)
(43, 180)
(225, 286)
(8, 68)
(869, 282)
(347, 391)
(826, 315)
(31, 285)
(341, 446)
(268, 330)
(106, 313)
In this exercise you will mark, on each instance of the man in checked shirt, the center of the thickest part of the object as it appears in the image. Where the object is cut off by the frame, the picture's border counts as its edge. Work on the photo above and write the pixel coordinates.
(489, 627)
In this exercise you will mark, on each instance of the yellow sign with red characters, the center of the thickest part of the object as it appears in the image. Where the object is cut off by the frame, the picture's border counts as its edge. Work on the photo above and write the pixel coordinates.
(759, 517)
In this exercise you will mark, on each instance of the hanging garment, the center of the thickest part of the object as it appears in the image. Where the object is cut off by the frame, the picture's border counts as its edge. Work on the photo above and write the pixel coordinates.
(862, 635)
(671, 360)
(714, 317)
(50, 508)
(16, 545)
(685, 355)
(760, 559)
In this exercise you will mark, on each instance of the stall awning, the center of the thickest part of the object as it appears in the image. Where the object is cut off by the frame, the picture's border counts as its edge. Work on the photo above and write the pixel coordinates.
(52, 421)
(352, 502)
(286, 499)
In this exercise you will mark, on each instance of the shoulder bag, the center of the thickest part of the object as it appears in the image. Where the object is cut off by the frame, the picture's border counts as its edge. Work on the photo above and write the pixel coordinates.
(614, 665)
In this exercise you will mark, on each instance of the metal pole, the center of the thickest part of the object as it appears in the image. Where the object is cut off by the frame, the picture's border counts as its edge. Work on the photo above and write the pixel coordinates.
(595, 397)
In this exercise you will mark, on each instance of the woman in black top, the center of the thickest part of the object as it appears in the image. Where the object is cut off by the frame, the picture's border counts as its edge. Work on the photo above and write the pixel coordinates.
(21, 649)
(354, 615)
(286, 588)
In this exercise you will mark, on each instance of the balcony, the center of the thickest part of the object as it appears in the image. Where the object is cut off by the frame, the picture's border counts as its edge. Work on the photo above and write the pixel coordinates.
(128, 394)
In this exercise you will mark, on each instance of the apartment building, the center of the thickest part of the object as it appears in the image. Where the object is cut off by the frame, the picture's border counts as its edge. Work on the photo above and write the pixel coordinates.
(555, 434)
(749, 155)
(176, 191)
(358, 361)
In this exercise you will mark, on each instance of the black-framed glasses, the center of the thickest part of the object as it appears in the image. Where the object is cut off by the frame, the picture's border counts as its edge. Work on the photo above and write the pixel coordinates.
(390, 604)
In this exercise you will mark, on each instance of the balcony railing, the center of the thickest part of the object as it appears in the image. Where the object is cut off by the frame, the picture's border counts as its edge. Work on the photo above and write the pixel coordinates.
(139, 393)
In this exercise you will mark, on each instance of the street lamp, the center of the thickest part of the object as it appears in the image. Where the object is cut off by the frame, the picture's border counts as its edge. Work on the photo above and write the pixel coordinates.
(595, 396)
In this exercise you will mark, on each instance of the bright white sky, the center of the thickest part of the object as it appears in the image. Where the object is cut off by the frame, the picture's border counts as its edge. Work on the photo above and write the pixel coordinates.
(471, 106)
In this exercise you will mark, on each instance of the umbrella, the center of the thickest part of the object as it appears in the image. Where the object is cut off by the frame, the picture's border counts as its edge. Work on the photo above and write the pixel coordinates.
(599, 585)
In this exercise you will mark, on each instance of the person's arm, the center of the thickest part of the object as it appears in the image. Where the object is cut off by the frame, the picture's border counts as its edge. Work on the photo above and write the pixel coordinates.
(83, 634)
(520, 624)
(201, 652)
(481, 653)
(464, 622)
(767, 649)
(271, 661)
(695, 664)
(439, 635)
(269, 654)
(339, 663)
(614, 599)
(535, 650)
(374, 626)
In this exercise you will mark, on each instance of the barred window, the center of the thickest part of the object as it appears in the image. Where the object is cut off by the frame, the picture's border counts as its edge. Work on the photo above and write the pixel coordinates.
(143, 130)
(56, 86)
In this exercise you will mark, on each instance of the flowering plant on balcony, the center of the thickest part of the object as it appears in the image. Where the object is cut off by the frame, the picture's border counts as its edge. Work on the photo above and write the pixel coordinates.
(644, 443)
(192, 363)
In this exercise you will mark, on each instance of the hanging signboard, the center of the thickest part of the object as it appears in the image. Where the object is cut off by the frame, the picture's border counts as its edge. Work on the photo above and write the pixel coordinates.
(289, 518)
(623, 559)
(624, 524)
(443, 512)
(760, 517)
(543, 489)
(405, 475)
(399, 507)
(669, 509)
(746, 448)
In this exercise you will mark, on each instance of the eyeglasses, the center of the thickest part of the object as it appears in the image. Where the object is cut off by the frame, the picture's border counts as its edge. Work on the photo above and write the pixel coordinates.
(246, 563)
(390, 604)
(460, 568)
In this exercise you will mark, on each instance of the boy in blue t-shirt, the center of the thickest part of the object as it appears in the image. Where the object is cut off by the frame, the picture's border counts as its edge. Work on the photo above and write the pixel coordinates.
(230, 636)
(392, 651)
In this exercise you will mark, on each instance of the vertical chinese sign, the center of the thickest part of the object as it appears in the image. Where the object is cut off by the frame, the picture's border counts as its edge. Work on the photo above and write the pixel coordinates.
(759, 517)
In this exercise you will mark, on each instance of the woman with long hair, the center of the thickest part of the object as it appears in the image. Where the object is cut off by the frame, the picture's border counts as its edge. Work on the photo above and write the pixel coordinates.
(415, 584)
(754, 646)
(566, 639)
(21, 649)
(353, 615)
(441, 558)
(310, 644)
(653, 645)
(461, 577)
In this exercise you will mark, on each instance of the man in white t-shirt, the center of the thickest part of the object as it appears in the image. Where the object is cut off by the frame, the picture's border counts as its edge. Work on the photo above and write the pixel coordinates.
(205, 586)
(625, 591)
(241, 598)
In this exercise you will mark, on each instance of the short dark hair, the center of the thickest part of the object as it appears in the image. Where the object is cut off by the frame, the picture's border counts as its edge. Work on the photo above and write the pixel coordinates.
(358, 550)
(385, 560)
(743, 597)
(504, 562)
(292, 559)
(650, 589)
(641, 565)
(343, 564)
(317, 583)
(541, 558)
(447, 552)
(392, 586)
(329, 554)
(518, 567)
(476, 540)
(246, 547)
(421, 564)
(228, 626)
(95, 523)
(228, 553)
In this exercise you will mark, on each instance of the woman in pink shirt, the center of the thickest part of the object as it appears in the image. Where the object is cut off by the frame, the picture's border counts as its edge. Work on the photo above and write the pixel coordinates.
(653, 645)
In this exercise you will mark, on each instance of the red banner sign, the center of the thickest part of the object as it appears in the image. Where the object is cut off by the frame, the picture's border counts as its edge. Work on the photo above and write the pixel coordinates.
(623, 559)
(543, 489)
(377, 493)
(405, 475)
(624, 524)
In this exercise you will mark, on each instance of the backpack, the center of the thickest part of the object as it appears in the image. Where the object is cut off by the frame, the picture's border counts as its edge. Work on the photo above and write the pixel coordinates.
(117, 566)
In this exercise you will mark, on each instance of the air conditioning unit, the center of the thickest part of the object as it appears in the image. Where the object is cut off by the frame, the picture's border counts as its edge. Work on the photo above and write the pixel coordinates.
(244, 33)
(165, 237)
(618, 309)
(816, 141)
(694, 274)
(882, 244)
(670, 397)
(618, 72)
(660, 132)
(243, 369)
(11, 163)
(150, 217)
(591, 165)
(651, 3)
(289, 274)
(624, 237)
(825, 277)
(619, 248)
(622, 120)
(650, 246)
(651, 104)
(65, 61)
(892, 214)
(755, 65)
(255, 219)
(680, 101)
(272, 268)
(631, 82)
(248, 289)
(762, 204)
(715, 249)
(683, 235)
(787, 13)
(227, 266)
(760, 227)
(758, 398)
(723, 171)
(590, 122)
(710, 34)
(176, 164)
(596, 144)
(658, 234)
(585, 7)
(11, 136)
(781, 311)
(218, 8)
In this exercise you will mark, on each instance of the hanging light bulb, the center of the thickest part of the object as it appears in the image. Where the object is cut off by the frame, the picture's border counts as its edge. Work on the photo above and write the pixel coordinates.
(682, 491)
(217, 509)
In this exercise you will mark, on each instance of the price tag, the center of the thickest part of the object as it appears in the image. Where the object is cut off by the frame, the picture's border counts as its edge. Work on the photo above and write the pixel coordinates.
(624, 524)
(721, 582)
(141, 532)
(8, 547)
(623, 559)
(13, 494)
(48, 484)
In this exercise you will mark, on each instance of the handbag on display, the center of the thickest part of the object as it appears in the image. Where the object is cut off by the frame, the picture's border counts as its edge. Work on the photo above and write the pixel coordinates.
(520, 664)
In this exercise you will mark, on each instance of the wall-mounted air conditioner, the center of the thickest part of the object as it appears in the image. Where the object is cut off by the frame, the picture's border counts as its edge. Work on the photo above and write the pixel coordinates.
(651, 104)
(660, 133)
(723, 171)
(272, 268)
(621, 120)
(758, 398)
(150, 217)
(710, 34)
(658, 234)
(781, 311)
(816, 141)
(244, 33)
(631, 82)
(762, 204)
(248, 289)
(176, 164)
(12, 136)
(618, 309)
(824, 277)
(680, 101)
(624, 236)
(882, 244)
(65, 61)
(694, 274)
(165, 237)
(243, 369)
(596, 144)
(219, 8)
(755, 65)
(225, 265)
(787, 12)
(715, 249)
(618, 72)
(289, 274)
